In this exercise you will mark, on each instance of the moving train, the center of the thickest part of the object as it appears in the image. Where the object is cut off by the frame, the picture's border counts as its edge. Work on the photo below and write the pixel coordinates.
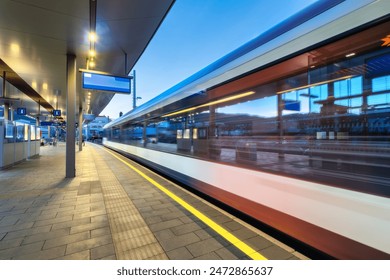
(292, 129)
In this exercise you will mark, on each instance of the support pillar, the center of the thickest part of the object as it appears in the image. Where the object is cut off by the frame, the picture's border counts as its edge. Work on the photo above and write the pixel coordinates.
(134, 93)
(80, 129)
(4, 89)
(70, 116)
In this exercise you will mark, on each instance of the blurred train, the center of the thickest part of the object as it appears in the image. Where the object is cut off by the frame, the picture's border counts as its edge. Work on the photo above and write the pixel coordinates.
(292, 129)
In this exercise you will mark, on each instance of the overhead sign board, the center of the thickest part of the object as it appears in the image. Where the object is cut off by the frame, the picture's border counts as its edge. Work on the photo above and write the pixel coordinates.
(105, 82)
(57, 113)
(21, 111)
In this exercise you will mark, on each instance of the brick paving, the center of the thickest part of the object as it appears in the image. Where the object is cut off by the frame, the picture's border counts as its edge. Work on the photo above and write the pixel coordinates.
(109, 212)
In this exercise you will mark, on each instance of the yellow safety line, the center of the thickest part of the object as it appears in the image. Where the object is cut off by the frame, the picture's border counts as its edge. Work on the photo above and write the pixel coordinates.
(249, 251)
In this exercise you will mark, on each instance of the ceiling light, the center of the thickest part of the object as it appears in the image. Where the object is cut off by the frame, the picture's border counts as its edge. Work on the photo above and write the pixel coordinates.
(44, 85)
(92, 53)
(91, 64)
(15, 48)
(92, 37)
(350, 54)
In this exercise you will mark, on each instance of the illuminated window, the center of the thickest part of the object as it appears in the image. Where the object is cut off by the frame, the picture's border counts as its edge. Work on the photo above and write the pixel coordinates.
(348, 87)
(381, 84)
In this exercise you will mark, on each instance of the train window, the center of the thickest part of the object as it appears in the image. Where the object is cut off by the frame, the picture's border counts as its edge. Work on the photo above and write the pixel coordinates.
(317, 93)
(379, 100)
(378, 66)
(202, 133)
(297, 101)
(348, 87)
(353, 104)
(381, 84)
(194, 133)
(264, 107)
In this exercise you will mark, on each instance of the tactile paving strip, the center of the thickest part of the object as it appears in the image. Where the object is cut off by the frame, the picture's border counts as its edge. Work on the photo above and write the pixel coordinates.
(131, 236)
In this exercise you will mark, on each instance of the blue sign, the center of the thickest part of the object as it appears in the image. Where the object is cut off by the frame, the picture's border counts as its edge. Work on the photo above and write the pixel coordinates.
(21, 111)
(106, 82)
(89, 117)
(57, 113)
(46, 123)
(292, 105)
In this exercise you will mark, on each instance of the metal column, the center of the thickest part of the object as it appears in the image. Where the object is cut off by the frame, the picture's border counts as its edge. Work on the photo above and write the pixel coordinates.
(70, 116)
(134, 93)
(6, 105)
(80, 128)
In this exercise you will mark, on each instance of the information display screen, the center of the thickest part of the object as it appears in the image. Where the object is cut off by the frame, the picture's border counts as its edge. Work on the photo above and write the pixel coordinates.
(106, 82)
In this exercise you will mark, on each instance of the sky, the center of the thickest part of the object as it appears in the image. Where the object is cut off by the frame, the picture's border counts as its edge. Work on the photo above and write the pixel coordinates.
(194, 34)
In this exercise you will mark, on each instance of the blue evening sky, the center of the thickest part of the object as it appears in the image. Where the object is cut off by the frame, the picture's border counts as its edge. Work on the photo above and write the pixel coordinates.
(194, 34)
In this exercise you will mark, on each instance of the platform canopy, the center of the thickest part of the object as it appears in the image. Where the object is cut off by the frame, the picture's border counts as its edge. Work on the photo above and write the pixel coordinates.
(37, 35)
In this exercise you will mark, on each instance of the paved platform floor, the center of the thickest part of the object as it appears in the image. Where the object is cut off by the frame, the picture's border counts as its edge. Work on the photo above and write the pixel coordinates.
(108, 211)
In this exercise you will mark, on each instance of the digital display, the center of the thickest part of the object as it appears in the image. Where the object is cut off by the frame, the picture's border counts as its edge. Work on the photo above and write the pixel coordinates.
(106, 82)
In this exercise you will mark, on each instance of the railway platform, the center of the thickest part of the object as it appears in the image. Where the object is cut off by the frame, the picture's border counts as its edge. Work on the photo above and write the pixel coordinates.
(115, 209)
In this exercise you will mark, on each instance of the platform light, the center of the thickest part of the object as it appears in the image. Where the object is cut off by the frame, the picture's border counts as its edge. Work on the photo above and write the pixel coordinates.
(92, 53)
(92, 37)
(15, 48)
(230, 98)
(91, 63)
